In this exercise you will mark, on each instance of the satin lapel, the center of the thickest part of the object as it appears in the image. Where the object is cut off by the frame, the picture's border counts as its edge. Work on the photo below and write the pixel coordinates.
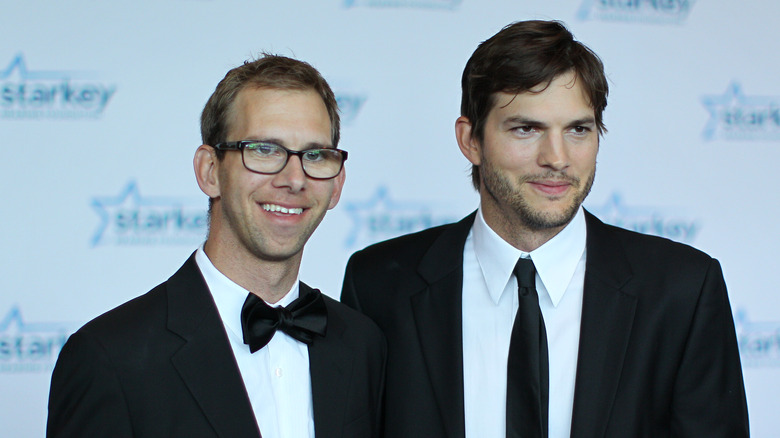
(438, 315)
(330, 365)
(206, 362)
(607, 318)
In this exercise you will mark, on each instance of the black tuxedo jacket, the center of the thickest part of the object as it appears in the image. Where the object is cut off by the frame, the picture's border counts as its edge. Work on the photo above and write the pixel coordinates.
(658, 354)
(161, 366)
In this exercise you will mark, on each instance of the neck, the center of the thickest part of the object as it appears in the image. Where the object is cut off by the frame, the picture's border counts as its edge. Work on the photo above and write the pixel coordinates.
(517, 233)
(270, 280)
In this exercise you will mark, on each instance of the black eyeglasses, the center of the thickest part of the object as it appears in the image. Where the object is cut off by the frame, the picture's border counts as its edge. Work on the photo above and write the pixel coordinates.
(270, 158)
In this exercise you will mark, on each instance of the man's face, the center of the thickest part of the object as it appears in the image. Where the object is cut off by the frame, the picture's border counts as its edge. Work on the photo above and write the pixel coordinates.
(537, 158)
(271, 217)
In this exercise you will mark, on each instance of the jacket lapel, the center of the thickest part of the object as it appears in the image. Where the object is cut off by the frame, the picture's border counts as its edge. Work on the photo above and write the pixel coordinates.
(206, 362)
(330, 365)
(607, 318)
(438, 315)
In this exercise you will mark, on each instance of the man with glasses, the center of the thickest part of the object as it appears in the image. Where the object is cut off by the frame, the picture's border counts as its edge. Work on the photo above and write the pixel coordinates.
(530, 317)
(233, 344)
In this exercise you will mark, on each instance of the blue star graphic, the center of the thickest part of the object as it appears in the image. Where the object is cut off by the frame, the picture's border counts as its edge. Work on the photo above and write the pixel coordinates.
(128, 197)
(380, 217)
(733, 98)
(13, 319)
(18, 65)
(349, 105)
(647, 220)
(423, 4)
(359, 211)
(759, 342)
(615, 208)
(671, 12)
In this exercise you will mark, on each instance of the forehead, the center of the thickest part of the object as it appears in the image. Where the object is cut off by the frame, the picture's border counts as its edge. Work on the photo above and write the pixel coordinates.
(564, 97)
(263, 112)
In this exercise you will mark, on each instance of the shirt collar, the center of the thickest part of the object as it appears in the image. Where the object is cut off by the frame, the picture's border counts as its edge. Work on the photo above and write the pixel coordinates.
(555, 261)
(228, 296)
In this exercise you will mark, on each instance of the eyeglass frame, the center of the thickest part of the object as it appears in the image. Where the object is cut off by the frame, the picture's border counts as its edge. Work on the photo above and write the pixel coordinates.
(240, 145)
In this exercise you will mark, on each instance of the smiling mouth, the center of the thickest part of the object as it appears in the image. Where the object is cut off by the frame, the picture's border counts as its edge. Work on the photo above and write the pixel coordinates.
(273, 208)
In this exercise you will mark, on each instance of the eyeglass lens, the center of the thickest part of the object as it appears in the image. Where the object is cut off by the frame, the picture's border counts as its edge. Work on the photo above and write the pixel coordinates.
(271, 158)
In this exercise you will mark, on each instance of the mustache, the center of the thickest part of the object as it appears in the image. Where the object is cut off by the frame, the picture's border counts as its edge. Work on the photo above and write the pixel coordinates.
(552, 176)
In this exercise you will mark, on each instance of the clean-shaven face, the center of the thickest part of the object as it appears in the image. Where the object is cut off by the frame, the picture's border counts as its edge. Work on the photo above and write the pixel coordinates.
(272, 216)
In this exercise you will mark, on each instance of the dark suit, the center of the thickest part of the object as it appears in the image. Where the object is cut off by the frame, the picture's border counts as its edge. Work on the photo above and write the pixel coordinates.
(161, 366)
(658, 354)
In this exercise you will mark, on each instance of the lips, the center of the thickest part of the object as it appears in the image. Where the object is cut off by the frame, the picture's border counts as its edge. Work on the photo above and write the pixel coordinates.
(551, 187)
(275, 208)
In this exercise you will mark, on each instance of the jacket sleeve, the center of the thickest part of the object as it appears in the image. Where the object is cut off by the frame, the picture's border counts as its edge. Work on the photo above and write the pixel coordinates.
(709, 393)
(86, 398)
(348, 289)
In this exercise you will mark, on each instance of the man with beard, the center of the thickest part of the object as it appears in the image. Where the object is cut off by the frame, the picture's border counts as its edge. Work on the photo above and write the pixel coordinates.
(530, 317)
(234, 344)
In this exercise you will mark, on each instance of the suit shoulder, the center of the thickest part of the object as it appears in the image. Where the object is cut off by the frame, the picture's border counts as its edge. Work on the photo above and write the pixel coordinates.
(650, 244)
(658, 253)
(353, 319)
(131, 318)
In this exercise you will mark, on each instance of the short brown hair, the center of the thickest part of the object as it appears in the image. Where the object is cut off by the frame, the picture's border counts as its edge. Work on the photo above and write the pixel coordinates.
(518, 58)
(269, 71)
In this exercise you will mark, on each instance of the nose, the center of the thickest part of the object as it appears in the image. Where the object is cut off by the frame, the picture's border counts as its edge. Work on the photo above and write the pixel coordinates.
(552, 152)
(292, 176)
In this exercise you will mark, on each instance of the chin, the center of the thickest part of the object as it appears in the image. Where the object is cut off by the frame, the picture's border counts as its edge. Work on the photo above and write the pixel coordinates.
(538, 219)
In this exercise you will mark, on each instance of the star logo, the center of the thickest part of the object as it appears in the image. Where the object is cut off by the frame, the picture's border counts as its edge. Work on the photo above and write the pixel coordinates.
(646, 220)
(420, 4)
(30, 347)
(759, 342)
(380, 217)
(52, 94)
(653, 12)
(130, 219)
(17, 68)
(736, 116)
(349, 105)
(13, 322)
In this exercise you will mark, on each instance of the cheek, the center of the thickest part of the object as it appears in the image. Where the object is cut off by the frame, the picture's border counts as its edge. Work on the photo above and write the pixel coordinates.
(585, 158)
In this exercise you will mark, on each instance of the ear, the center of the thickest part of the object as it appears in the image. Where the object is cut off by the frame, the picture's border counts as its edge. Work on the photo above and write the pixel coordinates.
(338, 184)
(467, 144)
(206, 166)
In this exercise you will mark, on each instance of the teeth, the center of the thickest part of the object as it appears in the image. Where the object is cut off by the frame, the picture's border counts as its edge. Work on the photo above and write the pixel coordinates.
(279, 209)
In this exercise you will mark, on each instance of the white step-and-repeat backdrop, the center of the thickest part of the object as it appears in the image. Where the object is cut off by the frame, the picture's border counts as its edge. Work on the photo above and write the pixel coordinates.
(99, 107)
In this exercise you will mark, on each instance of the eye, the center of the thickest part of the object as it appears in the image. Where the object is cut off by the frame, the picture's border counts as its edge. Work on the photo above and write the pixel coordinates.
(314, 155)
(265, 150)
(524, 130)
(581, 130)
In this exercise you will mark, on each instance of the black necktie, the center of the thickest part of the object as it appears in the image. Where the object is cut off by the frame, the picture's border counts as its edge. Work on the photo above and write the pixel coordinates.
(301, 319)
(527, 375)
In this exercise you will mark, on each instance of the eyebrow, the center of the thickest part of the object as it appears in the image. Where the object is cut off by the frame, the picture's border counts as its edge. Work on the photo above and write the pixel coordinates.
(521, 120)
(280, 142)
(583, 121)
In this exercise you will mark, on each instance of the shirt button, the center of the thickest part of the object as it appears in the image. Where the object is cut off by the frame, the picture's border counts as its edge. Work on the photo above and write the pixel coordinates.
(278, 372)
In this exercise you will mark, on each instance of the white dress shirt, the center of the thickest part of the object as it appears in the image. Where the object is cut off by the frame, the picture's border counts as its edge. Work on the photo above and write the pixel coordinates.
(276, 376)
(490, 303)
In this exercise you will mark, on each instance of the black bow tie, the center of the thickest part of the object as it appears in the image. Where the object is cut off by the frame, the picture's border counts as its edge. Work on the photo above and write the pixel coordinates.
(301, 319)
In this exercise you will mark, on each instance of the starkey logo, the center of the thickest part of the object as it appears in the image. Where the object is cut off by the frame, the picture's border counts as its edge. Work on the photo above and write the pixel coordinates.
(643, 11)
(735, 115)
(418, 4)
(647, 220)
(350, 103)
(50, 94)
(759, 342)
(131, 219)
(381, 217)
(30, 347)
